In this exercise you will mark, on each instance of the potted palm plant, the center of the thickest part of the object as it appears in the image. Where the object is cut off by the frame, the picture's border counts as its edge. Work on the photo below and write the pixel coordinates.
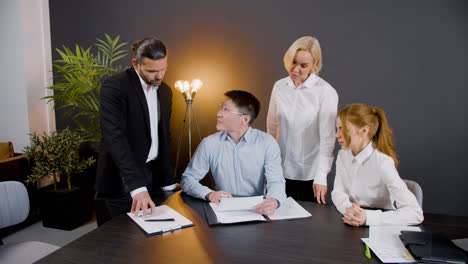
(77, 83)
(77, 79)
(57, 156)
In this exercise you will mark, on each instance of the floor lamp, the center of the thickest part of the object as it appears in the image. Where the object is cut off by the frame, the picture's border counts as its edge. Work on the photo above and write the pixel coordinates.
(188, 91)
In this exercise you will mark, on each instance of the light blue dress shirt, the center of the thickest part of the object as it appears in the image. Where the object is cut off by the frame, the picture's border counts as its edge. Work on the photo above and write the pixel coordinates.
(251, 167)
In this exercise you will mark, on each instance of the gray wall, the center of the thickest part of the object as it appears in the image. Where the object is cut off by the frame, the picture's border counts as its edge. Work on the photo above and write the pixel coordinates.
(408, 57)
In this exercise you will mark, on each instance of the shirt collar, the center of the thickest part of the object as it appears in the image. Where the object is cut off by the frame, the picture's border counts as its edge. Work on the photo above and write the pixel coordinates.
(365, 153)
(143, 83)
(309, 82)
(246, 137)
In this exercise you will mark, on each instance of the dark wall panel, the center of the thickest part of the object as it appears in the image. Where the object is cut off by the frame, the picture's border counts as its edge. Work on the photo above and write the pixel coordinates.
(408, 57)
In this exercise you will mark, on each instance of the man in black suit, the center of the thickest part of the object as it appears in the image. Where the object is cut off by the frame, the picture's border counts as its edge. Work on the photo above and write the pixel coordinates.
(134, 158)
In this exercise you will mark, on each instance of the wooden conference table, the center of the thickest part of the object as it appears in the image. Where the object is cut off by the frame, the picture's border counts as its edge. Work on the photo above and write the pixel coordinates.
(322, 238)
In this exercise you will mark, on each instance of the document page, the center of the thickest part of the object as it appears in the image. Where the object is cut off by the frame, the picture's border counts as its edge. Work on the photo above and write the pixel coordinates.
(461, 243)
(239, 203)
(162, 212)
(388, 236)
(386, 244)
(290, 209)
(236, 216)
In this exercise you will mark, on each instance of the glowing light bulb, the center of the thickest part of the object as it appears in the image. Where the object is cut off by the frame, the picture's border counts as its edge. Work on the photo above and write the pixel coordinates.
(186, 87)
(179, 85)
(196, 85)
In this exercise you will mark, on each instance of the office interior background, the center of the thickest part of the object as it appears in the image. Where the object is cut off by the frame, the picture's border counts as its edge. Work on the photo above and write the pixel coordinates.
(408, 57)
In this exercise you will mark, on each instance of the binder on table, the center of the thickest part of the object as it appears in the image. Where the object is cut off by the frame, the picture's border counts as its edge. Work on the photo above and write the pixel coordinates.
(177, 221)
(427, 247)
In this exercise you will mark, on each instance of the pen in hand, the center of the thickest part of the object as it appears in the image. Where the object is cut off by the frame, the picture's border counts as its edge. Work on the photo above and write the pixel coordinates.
(160, 220)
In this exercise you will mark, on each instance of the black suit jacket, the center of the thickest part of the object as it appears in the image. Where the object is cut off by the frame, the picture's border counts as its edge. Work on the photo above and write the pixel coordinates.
(126, 137)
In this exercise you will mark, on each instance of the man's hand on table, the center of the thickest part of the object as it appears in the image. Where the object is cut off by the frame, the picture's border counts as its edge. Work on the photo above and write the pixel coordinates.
(142, 201)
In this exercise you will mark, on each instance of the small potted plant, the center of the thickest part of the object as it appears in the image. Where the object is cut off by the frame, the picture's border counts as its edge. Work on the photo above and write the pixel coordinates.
(78, 73)
(57, 156)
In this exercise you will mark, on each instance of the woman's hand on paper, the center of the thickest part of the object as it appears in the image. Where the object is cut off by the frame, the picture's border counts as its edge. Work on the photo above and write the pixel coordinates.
(355, 215)
(320, 193)
(267, 207)
(215, 197)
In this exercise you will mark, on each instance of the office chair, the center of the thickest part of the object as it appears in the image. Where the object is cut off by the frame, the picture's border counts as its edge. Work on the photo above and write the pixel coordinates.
(416, 190)
(13, 166)
(14, 209)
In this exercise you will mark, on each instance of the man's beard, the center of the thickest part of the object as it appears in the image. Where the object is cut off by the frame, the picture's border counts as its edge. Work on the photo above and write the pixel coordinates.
(156, 83)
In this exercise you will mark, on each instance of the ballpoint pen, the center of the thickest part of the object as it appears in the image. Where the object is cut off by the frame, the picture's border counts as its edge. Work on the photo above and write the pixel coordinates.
(160, 220)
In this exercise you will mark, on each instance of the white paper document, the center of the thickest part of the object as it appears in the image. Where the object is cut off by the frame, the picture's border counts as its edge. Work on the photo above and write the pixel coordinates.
(385, 242)
(162, 212)
(289, 209)
(461, 243)
(236, 216)
(236, 210)
(239, 203)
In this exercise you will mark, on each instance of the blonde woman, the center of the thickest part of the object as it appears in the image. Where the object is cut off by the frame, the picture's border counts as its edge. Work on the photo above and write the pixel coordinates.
(366, 175)
(301, 117)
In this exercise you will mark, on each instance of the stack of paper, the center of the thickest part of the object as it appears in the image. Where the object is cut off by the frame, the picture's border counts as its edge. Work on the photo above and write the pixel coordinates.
(236, 210)
(386, 244)
(176, 221)
(239, 203)
(290, 209)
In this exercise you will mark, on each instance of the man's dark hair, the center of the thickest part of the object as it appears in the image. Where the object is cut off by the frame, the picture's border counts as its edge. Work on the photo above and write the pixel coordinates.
(151, 48)
(247, 103)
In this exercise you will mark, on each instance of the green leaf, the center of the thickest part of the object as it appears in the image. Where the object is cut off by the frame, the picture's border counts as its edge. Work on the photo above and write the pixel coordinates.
(118, 57)
(121, 45)
(62, 54)
(114, 42)
(77, 75)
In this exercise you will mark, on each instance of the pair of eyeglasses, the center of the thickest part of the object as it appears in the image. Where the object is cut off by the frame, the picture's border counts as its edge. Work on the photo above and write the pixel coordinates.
(226, 110)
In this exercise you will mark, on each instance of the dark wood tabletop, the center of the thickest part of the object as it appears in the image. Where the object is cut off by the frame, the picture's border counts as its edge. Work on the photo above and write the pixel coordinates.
(322, 238)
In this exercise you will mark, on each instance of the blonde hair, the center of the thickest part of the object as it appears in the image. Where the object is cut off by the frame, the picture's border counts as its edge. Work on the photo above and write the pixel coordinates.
(380, 132)
(306, 43)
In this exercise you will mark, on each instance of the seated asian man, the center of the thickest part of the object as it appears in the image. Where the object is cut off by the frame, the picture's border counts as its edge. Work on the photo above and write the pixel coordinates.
(243, 161)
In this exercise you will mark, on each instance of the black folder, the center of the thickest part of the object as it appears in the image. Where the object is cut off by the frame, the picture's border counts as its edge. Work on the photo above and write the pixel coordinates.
(427, 247)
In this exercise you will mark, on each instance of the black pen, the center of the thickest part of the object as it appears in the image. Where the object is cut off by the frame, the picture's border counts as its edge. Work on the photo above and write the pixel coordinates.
(160, 220)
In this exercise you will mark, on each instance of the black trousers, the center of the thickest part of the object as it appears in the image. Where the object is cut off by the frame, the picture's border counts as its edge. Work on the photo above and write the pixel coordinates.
(300, 190)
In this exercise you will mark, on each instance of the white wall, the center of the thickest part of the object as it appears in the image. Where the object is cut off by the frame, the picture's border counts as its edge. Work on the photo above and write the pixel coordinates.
(26, 58)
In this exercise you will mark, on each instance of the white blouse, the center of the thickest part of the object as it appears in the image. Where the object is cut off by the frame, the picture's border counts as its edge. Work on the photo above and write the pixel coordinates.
(371, 179)
(302, 120)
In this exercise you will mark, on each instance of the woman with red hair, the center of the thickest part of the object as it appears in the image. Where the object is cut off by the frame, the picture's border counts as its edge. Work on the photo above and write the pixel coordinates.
(366, 178)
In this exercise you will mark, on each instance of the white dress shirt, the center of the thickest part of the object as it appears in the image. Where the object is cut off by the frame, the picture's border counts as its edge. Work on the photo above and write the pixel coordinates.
(302, 120)
(151, 96)
(371, 179)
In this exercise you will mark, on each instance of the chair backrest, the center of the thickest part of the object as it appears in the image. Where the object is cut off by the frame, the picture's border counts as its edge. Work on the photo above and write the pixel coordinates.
(14, 203)
(416, 190)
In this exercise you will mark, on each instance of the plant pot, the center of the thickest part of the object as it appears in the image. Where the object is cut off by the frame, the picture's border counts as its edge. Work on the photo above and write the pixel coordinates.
(64, 209)
(85, 181)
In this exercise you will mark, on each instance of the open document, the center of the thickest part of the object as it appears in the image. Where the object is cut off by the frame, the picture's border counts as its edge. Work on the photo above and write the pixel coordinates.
(239, 203)
(237, 210)
(164, 220)
(385, 242)
(290, 209)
